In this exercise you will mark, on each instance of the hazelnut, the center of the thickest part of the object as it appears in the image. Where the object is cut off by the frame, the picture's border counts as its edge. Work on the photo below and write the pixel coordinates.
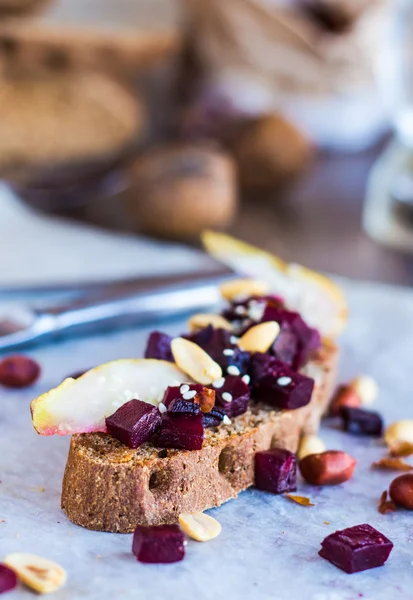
(345, 396)
(327, 468)
(401, 490)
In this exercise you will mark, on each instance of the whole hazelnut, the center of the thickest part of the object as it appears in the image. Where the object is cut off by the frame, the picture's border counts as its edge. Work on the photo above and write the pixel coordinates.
(345, 396)
(327, 468)
(401, 490)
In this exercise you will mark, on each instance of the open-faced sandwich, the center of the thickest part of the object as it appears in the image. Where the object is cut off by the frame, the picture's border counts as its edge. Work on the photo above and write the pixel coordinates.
(187, 428)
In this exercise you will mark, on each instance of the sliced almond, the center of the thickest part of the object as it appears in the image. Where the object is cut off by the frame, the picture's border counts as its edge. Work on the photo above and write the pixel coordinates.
(238, 288)
(310, 444)
(38, 573)
(194, 361)
(259, 338)
(200, 527)
(202, 320)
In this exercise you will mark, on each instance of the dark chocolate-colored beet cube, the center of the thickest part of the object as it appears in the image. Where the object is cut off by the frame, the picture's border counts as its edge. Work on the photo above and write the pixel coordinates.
(159, 346)
(214, 417)
(181, 431)
(356, 549)
(8, 579)
(177, 392)
(233, 397)
(361, 422)
(217, 343)
(286, 346)
(180, 407)
(277, 384)
(134, 423)
(162, 544)
(276, 471)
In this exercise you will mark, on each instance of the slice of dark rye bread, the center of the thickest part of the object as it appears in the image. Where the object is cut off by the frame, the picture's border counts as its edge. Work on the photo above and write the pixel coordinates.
(110, 487)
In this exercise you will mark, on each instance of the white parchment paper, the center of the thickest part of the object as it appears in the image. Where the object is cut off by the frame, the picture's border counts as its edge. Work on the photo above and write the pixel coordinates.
(268, 548)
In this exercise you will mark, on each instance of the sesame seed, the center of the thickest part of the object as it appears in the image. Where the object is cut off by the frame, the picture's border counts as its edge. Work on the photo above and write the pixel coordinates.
(240, 310)
(246, 379)
(162, 407)
(284, 380)
(228, 352)
(189, 395)
(184, 388)
(234, 339)
(226, 420)
(256, 310)
(227, 397)
(218, 383)
(233, 370)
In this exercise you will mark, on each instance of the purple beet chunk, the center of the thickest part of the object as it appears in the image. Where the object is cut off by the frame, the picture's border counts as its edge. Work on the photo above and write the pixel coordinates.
(356, 549)
(134, 423)
(173, 392)
(361, 422)
(214, 342)
(286, 347)
(213, 418)
(184, 432)
(159, 346)
(240, 394)
(162, 544)
(277, 384)
(186, 407)
(8, 579)
(276, 471)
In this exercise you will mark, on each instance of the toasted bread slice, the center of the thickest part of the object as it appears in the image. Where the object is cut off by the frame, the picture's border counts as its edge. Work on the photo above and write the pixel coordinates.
(109, 487)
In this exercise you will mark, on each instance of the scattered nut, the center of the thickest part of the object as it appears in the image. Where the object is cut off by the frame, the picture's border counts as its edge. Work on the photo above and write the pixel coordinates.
(243, 287)
(401, 490)
(259, 338)
(38, 573)
(202, 320)
(327, 468)
(366, 388)
(200, 527)
(194, 361)
(399, 437)
(310, 444)
(344, 396)
(18, 371)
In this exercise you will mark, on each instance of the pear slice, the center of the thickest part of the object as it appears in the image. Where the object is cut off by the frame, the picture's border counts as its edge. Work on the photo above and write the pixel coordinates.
(81, 405)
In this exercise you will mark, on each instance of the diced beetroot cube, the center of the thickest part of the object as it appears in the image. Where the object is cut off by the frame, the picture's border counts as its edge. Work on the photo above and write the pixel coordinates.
(187, 407)
(8, 579)
(173, 392)
(356, 548)
(286, 347)
(185, 432)
(213, 418)
(159, 346)
(233, 397)
(134, 423)
(217, 343)
(276, 471)
(162, 544)
(361, 422)
(277, 384)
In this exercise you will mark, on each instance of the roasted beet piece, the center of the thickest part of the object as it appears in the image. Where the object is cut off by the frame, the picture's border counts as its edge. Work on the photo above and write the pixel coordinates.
(18, 371)
(213, 418)
(181, 431)
(233, 397)
(159, 346)
(277, 384)
(194, 393)
(286, 347)
(134, 423)
(177, 392)
(162, 544)
(361, 422)
(8, 579)
(180, 407)
(217, 343)
(276, 471)
(356, 548)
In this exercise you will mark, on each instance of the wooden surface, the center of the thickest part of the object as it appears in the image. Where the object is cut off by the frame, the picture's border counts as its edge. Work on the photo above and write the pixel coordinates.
(317, 222)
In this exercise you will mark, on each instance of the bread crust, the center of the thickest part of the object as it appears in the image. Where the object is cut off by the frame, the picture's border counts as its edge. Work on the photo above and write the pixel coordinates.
(109, 487)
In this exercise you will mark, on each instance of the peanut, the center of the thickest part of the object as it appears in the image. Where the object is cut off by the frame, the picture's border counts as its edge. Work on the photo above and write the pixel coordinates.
(399, 435)
(202, 320)
(401, 491)
(327, 468)
(259, 338)
(366, 387)
(200, 527)
(38, 573)
(344, 396)
(310, 444)
(243, 288)
(194, 361)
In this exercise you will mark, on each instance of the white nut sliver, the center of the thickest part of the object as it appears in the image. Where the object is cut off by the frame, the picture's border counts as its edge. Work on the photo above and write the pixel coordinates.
(310, 444)
(399, 434)
(260, 337)
(38, 573)
(194, 361)
(243, 288)
(366, 388)
(200, 527)
(202, 320)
